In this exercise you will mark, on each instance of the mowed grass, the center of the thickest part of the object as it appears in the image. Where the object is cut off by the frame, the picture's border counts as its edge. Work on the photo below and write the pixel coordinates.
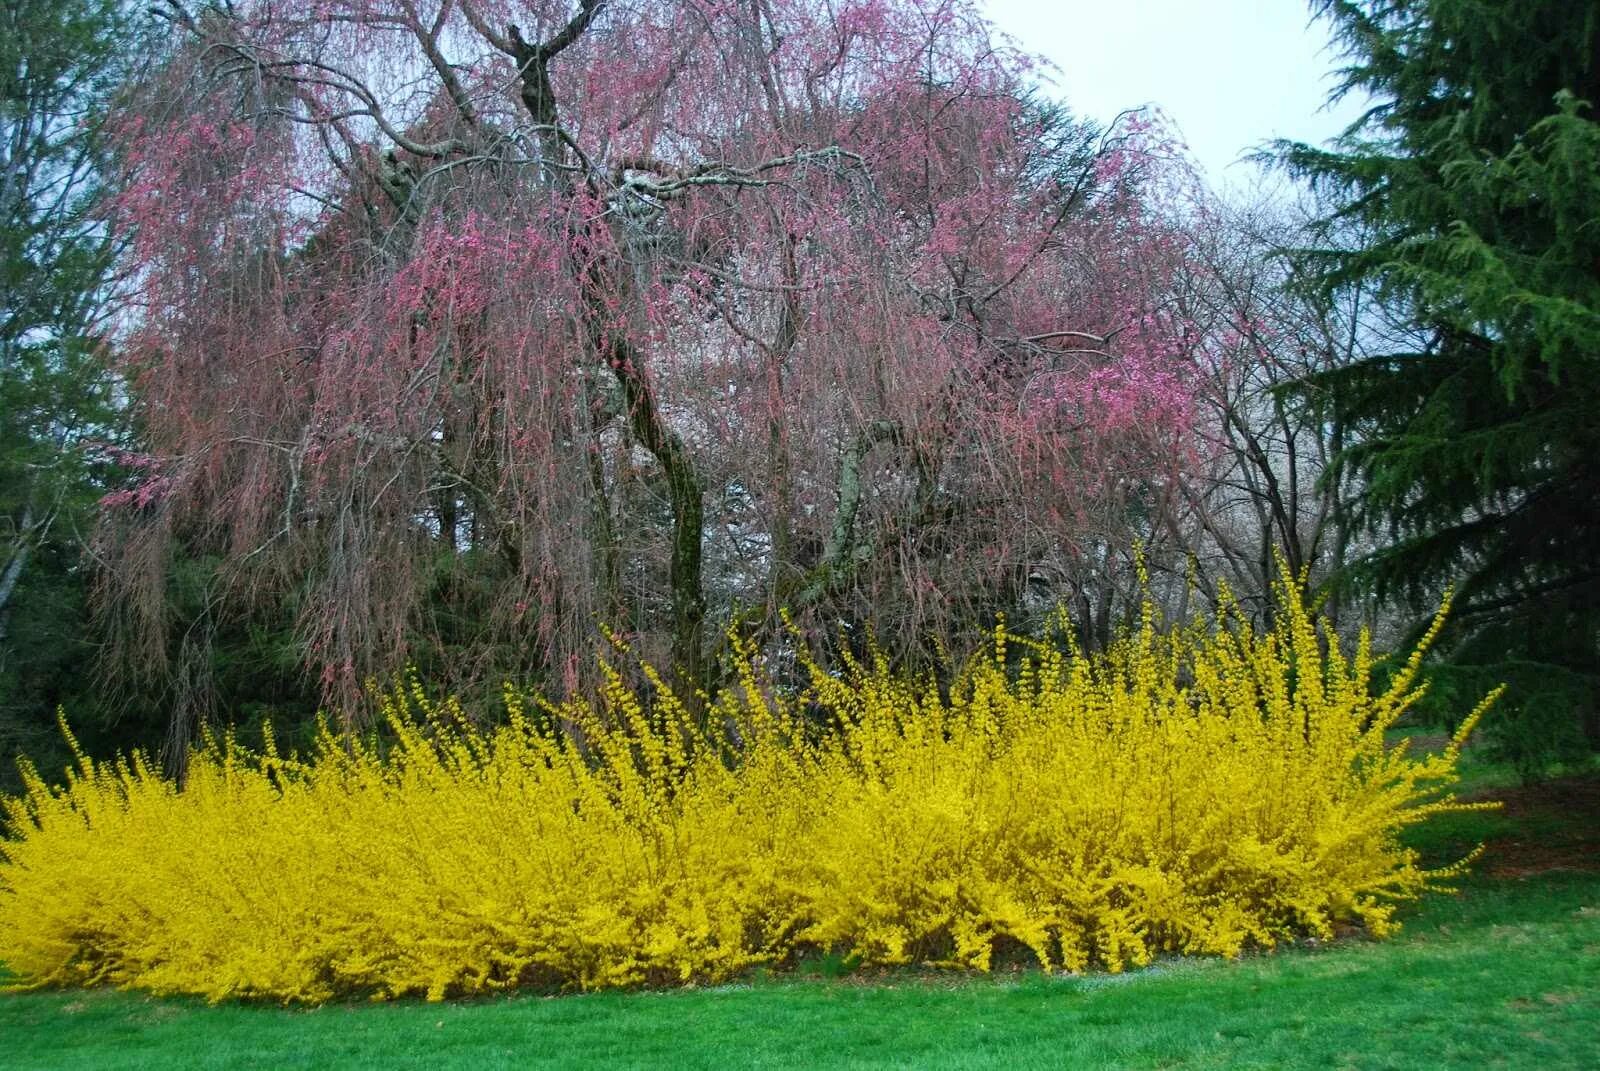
(1505, 975)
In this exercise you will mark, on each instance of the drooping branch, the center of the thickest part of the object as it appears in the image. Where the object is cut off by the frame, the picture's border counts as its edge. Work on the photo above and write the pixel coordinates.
(499, 302)
(304, 71)
(717, 173)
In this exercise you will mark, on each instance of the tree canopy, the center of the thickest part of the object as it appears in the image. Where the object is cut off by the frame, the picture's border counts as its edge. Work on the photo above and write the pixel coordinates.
(466, 327)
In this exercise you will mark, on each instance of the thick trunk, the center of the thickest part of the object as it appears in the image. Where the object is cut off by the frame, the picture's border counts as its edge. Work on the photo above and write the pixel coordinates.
(8, 583)
(686, 493)
(839, 554)
(14, 567)
(608, 552)
(777, 431)
(643, 413)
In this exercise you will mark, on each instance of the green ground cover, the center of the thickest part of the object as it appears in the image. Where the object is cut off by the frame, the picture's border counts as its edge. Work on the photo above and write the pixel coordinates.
(1505, 975)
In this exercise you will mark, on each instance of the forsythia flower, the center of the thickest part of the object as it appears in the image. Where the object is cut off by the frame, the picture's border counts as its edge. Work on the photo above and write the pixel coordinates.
(1201, 790)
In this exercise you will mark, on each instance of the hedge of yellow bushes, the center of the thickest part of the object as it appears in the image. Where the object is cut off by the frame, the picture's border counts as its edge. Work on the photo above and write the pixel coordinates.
(1204, 790)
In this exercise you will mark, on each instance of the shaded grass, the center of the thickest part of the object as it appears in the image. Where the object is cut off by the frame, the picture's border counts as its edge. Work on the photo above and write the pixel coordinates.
(1502, 976)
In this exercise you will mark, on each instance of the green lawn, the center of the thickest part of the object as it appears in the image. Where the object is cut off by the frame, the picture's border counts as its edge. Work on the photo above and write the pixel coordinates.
(1505, 975)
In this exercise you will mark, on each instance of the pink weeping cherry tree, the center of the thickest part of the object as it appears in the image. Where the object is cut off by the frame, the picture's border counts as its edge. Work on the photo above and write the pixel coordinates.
(655, 314)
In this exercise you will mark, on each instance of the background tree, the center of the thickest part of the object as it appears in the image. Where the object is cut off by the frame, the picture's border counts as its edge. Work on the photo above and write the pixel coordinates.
(59, 63)
(1473, 183)
(1258, 496)
(462, 328)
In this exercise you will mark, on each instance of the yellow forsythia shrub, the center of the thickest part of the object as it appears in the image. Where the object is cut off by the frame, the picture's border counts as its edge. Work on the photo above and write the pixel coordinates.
(1202, 790)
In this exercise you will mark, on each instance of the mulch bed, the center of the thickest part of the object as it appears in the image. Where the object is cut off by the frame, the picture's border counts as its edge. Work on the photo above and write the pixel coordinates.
(1568, 807)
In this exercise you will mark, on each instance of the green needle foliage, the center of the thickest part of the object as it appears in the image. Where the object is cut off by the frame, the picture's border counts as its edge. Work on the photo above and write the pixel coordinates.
(1467, 201)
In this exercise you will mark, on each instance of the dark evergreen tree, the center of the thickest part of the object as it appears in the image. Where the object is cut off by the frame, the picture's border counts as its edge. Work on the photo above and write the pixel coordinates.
(1472, 185)
(59, 63)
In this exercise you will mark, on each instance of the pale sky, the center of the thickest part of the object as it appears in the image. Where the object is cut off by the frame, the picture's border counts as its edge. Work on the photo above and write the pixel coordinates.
(1229, 73)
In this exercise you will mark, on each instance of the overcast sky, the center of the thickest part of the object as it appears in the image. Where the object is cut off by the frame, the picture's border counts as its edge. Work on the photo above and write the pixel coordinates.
(1230, 73)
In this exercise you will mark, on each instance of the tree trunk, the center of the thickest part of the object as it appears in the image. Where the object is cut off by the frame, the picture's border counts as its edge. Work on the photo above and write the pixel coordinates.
(14, 567)
(685, 492)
